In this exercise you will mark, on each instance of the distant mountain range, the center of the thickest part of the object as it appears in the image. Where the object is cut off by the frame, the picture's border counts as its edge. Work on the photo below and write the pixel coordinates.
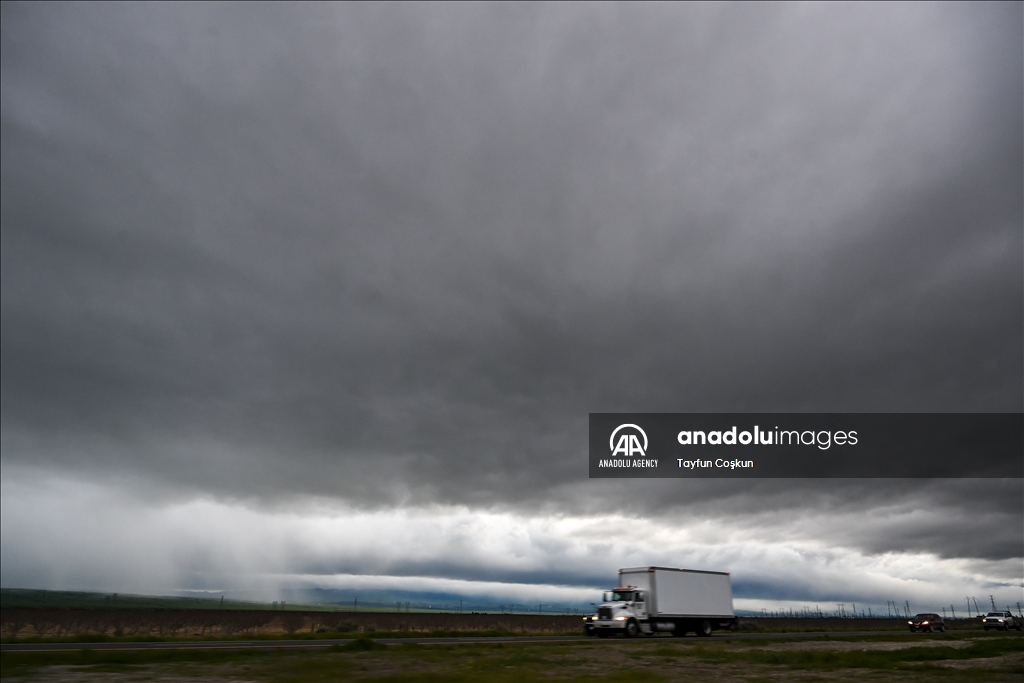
(312, 598)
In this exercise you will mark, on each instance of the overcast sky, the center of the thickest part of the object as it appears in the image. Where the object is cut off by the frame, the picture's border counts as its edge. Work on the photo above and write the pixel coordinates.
(324, 294)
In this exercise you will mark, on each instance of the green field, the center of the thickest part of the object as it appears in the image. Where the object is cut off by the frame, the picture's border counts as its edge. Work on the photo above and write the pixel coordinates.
(990, 657)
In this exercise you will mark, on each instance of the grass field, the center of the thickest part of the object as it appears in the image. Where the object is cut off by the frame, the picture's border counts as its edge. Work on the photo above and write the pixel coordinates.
(952, 657)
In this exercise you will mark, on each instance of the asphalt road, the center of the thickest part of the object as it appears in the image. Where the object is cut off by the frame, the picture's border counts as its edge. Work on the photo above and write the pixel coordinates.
(324, 643)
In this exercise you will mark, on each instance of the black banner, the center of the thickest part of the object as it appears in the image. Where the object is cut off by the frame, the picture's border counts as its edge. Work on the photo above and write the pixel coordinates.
(809, 445)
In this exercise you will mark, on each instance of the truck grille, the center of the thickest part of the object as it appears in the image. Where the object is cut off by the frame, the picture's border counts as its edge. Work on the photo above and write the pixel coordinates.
(604, 613)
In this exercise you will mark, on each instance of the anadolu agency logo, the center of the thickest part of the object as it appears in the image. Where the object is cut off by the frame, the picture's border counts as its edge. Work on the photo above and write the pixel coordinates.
(626, 443)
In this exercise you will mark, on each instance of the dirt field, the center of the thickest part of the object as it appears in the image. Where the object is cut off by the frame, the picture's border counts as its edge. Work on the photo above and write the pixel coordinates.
(27, 622)
(50, 623)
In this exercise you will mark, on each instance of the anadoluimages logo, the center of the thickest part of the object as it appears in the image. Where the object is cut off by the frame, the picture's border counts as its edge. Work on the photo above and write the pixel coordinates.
(805, 445)
(628, 444)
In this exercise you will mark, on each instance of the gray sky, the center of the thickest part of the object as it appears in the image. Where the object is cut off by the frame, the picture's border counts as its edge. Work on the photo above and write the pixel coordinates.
(371, 263)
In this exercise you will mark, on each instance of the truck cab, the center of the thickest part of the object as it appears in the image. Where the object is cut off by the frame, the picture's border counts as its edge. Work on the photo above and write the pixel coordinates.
(622, 611)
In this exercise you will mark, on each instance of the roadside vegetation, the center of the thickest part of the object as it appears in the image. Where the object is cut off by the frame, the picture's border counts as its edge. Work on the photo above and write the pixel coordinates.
(951, 657)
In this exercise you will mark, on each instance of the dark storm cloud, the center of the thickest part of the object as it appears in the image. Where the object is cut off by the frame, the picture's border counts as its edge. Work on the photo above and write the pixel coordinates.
(398, 253)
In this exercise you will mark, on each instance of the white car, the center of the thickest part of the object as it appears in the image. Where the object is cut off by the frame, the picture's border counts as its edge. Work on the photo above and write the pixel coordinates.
(1002, 621)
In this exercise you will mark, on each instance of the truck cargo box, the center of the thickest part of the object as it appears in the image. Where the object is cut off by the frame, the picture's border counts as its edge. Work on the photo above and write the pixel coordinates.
(682, 592)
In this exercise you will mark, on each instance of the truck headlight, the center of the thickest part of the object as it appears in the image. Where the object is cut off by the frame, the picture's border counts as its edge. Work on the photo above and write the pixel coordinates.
(620, 618)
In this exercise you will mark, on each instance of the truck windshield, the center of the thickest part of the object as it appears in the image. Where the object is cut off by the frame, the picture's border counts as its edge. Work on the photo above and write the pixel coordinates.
(624, 596)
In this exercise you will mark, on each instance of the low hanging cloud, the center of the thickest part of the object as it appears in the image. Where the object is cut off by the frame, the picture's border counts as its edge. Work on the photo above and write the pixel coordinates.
(69, 535)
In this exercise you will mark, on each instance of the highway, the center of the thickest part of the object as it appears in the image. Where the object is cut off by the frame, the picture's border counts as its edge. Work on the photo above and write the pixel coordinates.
(317, 644)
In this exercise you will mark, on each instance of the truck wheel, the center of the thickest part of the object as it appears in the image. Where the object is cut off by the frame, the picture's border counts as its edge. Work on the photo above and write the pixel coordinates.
(704, 630)
(632, 630)
(942, 629)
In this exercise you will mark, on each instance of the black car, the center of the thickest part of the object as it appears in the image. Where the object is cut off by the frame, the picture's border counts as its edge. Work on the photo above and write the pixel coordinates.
(927, 622)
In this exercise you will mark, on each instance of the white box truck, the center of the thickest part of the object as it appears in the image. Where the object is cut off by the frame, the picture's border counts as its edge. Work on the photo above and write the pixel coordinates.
(650, 600)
